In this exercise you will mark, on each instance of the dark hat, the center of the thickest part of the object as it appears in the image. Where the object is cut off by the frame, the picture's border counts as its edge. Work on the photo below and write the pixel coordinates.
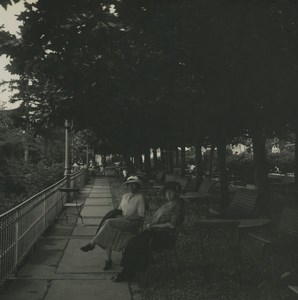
(173, 186)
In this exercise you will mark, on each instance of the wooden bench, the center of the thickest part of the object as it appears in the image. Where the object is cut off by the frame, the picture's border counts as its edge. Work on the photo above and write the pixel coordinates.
(242, 206)
(284, 242)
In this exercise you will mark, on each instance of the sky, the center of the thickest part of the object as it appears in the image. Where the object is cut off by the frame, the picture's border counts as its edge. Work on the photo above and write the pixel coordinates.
(8, 18)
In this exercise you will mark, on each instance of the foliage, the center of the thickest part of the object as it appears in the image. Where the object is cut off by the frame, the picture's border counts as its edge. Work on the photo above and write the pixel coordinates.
(242, 165)
(143, 69)
(5, 3)
(27, 180)
(284, 161)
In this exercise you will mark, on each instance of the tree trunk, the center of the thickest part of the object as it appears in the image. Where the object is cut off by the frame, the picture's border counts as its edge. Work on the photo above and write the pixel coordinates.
(147, 162)
(139, 162)
(261, 171)
(170, 161)
(199, 164)
(222, 164)
(177, 158)
(155, 158)
(162, 158)
(296, 157)
(211, 160)
(126, 159)
(183, 161)
(103, 161)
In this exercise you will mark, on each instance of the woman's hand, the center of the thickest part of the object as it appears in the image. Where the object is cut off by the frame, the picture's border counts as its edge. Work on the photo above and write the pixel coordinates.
(164, 226)
(150, 227)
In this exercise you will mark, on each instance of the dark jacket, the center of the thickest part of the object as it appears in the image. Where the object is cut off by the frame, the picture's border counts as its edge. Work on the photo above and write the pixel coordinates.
(110, 215)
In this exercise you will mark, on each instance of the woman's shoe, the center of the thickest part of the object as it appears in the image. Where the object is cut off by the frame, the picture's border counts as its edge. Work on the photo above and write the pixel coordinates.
(120, 277)
(124, 276)
(87, 248)
(108, 265)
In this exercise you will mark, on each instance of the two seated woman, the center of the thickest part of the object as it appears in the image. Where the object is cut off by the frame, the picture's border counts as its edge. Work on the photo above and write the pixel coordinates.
(165, 221)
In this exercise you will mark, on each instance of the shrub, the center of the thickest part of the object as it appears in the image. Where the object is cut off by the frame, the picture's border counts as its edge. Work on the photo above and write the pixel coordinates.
(24, 181)
(285, 161)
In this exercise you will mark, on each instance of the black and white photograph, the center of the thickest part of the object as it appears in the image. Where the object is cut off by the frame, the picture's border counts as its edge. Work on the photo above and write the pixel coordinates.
(148, 149)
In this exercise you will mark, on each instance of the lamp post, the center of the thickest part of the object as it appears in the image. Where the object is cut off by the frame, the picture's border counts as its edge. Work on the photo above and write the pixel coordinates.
(87, 157)
(67, 158)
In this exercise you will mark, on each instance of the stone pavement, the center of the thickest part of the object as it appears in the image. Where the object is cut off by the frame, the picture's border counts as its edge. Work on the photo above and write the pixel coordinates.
(59, 270)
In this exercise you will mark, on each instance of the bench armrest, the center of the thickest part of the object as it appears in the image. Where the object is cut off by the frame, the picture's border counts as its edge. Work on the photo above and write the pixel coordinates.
(259, 238)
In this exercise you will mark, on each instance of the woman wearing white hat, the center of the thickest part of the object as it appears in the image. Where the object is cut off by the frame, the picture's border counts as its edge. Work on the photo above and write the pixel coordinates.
(132, 208)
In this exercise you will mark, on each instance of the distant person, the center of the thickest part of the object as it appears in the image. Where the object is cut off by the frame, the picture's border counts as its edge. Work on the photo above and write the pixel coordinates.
(76, 167)
(132, 210)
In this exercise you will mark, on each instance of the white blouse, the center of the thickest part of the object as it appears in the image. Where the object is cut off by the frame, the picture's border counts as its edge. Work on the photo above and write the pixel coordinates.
(132, 205)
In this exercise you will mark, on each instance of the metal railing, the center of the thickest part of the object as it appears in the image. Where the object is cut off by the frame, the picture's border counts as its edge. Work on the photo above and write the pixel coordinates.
(23, 225)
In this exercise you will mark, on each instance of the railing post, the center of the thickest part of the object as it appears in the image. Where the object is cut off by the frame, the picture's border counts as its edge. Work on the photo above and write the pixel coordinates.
(44, 214)
(16, 240)
(67, 160)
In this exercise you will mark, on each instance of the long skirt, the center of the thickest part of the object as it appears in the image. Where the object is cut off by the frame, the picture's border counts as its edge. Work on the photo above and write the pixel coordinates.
(136, 256)
(115, 233)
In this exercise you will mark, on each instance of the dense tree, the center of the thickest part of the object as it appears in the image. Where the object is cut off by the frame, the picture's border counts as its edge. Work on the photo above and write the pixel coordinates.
(143, 74)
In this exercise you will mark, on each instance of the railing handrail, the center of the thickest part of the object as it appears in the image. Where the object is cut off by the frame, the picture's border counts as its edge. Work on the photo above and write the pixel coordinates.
(41, 192)
(24, 224)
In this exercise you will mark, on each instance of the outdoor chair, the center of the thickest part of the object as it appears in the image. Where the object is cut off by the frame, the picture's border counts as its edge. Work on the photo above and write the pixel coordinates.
(152, 200)
(183, 182)
(205, 187)
(69, 191)
(121, 238)
(159, 177)
(242, 206)
(161, 249)
(170, 177)
(165, 245)
(197, 203)
(283, 244)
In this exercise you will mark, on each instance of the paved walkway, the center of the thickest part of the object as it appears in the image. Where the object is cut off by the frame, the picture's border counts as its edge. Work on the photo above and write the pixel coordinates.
(59, 270)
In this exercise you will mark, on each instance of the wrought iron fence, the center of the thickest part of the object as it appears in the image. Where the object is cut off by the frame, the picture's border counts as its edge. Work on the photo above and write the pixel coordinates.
(21, 226)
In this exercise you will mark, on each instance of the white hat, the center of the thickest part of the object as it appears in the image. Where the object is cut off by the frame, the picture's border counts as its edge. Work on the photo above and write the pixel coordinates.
(133, 179)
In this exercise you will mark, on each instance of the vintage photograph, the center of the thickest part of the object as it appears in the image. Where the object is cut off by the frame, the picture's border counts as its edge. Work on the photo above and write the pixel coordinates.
(148, 149)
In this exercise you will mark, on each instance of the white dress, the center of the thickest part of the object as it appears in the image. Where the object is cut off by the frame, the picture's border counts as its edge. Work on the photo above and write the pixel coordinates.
(115, 232)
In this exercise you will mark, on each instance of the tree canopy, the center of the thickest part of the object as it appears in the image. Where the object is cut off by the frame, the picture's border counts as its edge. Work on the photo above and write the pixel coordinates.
(158, 73)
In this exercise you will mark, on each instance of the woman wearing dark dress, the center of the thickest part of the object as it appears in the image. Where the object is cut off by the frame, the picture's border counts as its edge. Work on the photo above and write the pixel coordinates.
(165, 221)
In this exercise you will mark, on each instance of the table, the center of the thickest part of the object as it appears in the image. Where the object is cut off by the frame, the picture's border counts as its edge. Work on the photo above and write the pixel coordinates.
(253, 223)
